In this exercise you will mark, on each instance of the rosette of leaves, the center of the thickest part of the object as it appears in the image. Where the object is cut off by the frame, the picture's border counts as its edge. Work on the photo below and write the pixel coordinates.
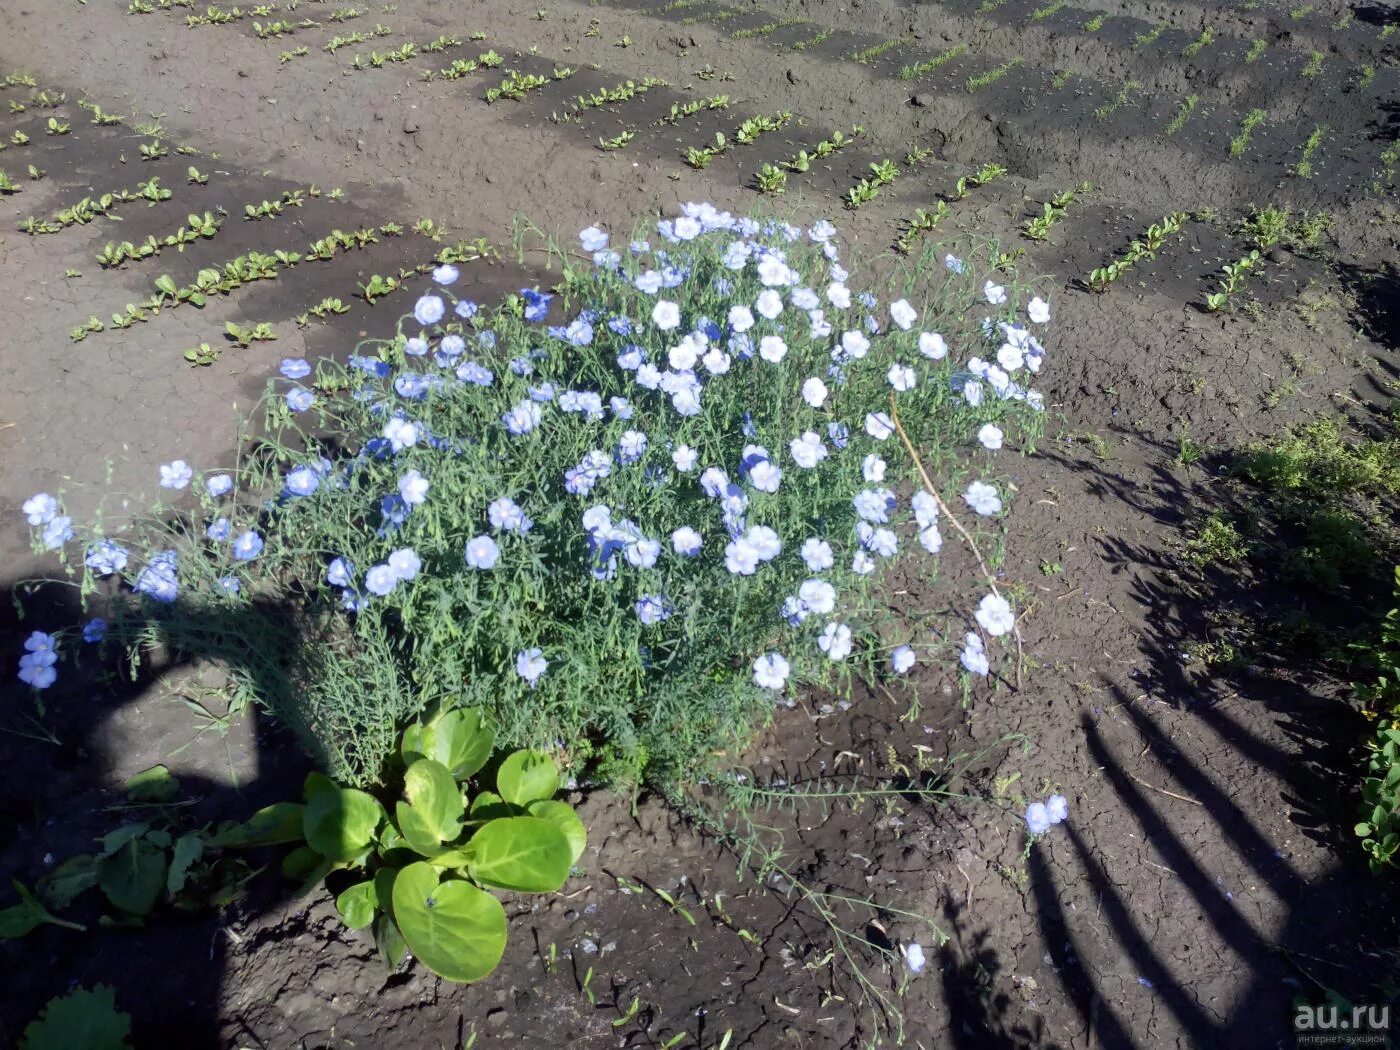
(421, 868)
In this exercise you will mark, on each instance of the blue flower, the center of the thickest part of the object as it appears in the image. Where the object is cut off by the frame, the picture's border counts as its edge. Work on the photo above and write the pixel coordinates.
(40, 509)
(299, 399)
(175, 475)
(472, 372)
(380, 580)
(579, 332)
(230, 584)
(303, 481)
(405, 563)
(413, 487)
(530, 664)
(411, 385)
(57, 532)
(620, 325)
(631, 446)
(246, 546)
(536, 303)
(340, 572)
(95, 630)
(158, 579)
(482, 552)
(686, 541)
(218, 530)
(1037, 818)
(106, 557)
(522, 419)
(466, 309)
(394, 509)
(506, 514)
(429, 309)
(295, 368)
(218, 485)
(593, 239)
(654, 608)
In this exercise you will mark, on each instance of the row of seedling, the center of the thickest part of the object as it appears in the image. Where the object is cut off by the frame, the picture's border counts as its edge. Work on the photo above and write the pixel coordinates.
(465, 67)
(271, 209)
(867, 189)
(684, 111)
(517, 85)
(745, 134)
(335, 43)
(90, 208)
(1052, 211)
(1142, 249)
(613, 96)
(772, 178)
(925, 221)
(1233, 277)
(197, 227)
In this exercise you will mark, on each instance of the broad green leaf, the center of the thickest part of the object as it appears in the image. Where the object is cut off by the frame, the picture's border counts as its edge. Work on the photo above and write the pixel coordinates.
(270, 826)
(529, 854)
(301, 862)
(19, 919)
(82, 1018)
(464, 740)
(115, 840)
(166, 284)
(60, 887)
(357, 905)
(389, 941)
(152, 785)
(488, 806)
(433, 793)
(133, 877)
(526, 776)
(416, 831)
(339, 824)
(188, 849)
(317, 784)
(453, 928)
(453, 858)
(563, 817)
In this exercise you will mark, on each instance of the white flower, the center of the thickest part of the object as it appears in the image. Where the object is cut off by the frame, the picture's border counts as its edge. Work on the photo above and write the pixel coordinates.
(740, 318)
(974, 655)
(901, 377)
(818, 596)
(879, 425)
(994, 615)
(1057, 807)
(769, 304)
(807, 450)
(772, 348)
(913, 957)
(683, 355)
(1038, 310)
(175, 475)
(716, 361)
(686, 228)
(593, 239)
(972, 392)
(684, 458)
(740, 557)
(1010, 357)
(817, 554)
(686, 541)
(983, 498)
(862, 564)
(429, 309)
(995, 293)
(401, 433)
(903, 314)
(413, 487)
(900, 661)
(766, 476)
(772, 271)
(1037, 818)
(835, 641)
(873, 468)
(991, 436)
(814, 392)
(838, 295)
(925, 508)
(930, 539)
(770, 671)
(765, 542)
(855, 344)
(665, 315)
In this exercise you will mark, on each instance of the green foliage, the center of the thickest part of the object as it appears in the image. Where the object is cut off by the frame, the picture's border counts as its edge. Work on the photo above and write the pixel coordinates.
(419, 872)
(84, 1019)
(1217, 543)
(1379, 826)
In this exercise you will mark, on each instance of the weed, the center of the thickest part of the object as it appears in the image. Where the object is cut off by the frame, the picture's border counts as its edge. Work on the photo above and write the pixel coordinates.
(1304, 168)
(1217, 542)
(1095, 24)
(765, 30)
(876, 51)
(1240, 142)
(991, 76)
(1042, 13)
(1256, 48)
(1143, 40)
(1194, 48)
(1183, 114)
(919, 69)
(1119, 100)
(1314, 66)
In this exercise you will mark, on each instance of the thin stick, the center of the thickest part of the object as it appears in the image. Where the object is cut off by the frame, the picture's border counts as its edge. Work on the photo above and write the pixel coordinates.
(1173, 794)
(967, 538)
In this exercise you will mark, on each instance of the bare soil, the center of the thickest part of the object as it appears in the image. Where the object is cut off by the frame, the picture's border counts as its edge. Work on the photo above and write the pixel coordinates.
(1207, 875)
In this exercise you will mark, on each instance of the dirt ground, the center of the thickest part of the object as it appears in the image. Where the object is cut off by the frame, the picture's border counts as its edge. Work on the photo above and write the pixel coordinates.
(1207, 874)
